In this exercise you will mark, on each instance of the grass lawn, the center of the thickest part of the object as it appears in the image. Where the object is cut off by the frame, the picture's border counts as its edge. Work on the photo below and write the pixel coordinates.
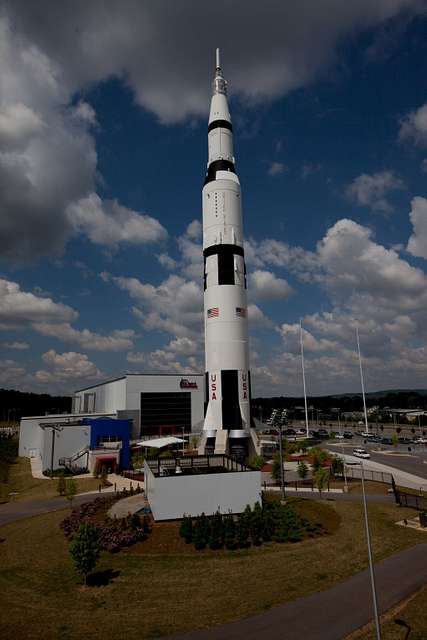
(163, 586)
(22, 482)
(413, 611)
(355, 486)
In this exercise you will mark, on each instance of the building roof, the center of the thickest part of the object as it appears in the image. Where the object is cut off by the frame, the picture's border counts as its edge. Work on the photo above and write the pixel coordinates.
(126, 375)
(68, 416)
(159, 443)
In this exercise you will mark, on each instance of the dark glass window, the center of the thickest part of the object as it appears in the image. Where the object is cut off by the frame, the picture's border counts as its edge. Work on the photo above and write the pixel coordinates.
(165, 413)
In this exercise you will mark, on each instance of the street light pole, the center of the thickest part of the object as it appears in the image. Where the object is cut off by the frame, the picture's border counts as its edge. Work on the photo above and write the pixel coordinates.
(282, 473)
(371, 564)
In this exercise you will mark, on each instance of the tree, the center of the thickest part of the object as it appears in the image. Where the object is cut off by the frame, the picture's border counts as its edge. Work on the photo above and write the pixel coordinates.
(256, 462)
(320, 479)
(256, 525)
(216, 531)
(186, 529)
(85, 549)
(242, 531)
(302, 469)
(275, 472)
(229, 532)
(395, 439)
(199, 539)
(60, 487)
(70, 489)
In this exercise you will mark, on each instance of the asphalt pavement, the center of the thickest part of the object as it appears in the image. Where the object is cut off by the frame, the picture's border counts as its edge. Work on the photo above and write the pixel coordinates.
(12, 511)
(332, 614)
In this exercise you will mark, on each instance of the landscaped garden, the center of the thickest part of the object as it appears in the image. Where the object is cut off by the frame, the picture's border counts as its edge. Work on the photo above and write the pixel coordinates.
(162, 585)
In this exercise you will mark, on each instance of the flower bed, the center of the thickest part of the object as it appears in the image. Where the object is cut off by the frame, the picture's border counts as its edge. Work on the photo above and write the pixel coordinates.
(115, 533)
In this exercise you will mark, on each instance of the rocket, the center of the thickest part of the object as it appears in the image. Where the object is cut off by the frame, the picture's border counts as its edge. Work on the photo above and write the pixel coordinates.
(227, 419)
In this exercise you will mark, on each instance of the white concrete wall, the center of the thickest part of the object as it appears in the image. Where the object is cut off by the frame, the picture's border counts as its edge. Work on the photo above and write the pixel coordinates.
(30, 438)
(68, 440)
(110, 396)
(172, 496)
(137, 384)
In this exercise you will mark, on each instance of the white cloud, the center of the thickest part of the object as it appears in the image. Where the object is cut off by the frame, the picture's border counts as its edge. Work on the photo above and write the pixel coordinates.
(19, 307)
(147, 43)
(18, 346)
(66, 366)
(108, 223)
(175, 306)
(18, 123)
(417, 243)
(276, 168)
(257, 318)
(371, 190)
(119, 340)
(357, 268)
(167, 262)
(414, 126)
(264, 285)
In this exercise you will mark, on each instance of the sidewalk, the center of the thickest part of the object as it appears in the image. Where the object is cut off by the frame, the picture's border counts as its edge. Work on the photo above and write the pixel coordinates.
(332, 614)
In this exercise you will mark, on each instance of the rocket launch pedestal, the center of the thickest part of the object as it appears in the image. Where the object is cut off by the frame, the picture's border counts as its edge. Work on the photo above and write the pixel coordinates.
(228, 385)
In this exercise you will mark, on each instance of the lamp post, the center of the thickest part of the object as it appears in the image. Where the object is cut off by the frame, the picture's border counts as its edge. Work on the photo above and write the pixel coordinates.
(279, 427)
(368, 542)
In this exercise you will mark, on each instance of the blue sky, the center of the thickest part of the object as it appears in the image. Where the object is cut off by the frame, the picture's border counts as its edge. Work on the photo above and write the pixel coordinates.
(103, 147)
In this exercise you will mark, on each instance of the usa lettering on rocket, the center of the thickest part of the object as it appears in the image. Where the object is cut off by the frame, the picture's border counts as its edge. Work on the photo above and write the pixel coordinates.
(225, 295)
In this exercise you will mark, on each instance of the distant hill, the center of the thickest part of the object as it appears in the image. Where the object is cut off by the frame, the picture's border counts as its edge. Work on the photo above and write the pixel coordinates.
(15, 404)
(393, 398)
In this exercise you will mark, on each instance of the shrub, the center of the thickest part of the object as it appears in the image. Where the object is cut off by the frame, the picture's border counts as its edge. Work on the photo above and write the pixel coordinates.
(302, 469)
(199, 538)
(70, 489)
(85, 549)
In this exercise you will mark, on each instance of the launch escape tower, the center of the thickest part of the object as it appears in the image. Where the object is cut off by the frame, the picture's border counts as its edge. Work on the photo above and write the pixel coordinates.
(228, 385)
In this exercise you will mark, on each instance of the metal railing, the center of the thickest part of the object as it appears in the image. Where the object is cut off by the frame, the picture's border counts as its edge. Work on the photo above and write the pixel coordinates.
(194, 464)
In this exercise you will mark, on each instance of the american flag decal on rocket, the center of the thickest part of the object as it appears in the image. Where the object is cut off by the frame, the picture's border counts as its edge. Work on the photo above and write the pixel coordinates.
(213, 313)
(240, 312)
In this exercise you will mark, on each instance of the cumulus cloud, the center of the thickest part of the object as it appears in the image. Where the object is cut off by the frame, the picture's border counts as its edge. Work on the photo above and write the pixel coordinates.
(264, 285)
(276, 168)
(414, 126)
(175, 306)
(18, 308)
(66, 366)
(108, 223)
(417, 243)
(119, 340)
(372, 190)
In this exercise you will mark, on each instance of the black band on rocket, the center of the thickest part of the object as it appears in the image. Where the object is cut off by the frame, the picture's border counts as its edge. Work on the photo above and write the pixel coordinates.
(218, 165)
(224, 124)
(217, 249)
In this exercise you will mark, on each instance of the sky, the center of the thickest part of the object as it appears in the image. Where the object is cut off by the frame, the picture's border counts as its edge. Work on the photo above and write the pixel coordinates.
(103, 150)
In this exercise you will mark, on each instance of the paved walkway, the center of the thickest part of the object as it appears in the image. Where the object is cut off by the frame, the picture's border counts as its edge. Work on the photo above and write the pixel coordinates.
(19, 510)
(126, 506)
(332, 614)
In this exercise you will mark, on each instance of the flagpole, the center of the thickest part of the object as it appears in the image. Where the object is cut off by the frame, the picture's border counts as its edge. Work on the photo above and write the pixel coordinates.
(303, 378)
(361, 380)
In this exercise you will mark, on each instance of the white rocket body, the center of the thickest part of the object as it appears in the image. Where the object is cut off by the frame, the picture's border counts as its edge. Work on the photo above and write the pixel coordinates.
(225, 301)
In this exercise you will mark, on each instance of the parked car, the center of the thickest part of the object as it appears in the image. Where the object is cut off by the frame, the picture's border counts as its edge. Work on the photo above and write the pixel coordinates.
(290, 432)
(339, 436)
(404, 440)
(323, 433)
(361, 453)
(366, 434)
(386, 441)
(347, 435)
(420, 440)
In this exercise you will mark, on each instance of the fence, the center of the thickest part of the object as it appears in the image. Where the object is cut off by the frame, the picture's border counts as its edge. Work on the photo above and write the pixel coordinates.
(375, 476)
